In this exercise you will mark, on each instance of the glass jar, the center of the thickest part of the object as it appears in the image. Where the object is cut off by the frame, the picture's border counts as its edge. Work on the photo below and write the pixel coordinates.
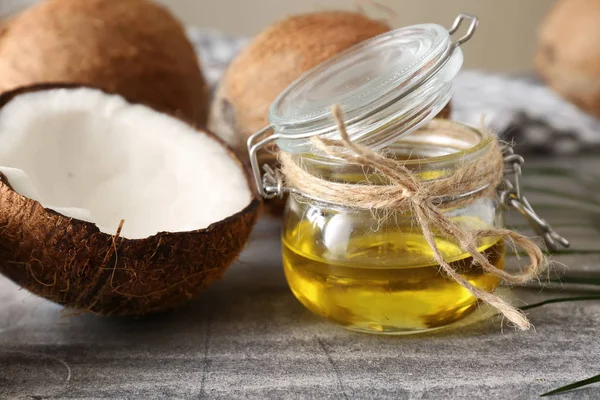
(372, 270)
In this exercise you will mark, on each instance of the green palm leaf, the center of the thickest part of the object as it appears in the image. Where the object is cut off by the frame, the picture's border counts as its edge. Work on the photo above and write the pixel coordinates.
(560, 300)
(577, 280)
(575, 385)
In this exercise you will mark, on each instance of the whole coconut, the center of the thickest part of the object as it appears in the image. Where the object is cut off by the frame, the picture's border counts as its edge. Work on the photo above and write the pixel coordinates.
(568, 54)
(273, 60)
(131, 47)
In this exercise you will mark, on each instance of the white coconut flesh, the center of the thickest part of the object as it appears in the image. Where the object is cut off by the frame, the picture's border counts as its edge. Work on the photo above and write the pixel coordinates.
(95, 157)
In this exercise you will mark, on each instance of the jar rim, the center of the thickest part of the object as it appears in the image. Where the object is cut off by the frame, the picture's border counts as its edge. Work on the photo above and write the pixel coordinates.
(484, 138)
(429, 168)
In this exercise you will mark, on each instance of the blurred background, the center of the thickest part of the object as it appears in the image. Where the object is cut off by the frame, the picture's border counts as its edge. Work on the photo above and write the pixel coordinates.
(505, 40)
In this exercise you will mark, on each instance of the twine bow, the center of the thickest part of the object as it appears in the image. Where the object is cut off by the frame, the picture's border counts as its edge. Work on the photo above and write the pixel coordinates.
(407, 193)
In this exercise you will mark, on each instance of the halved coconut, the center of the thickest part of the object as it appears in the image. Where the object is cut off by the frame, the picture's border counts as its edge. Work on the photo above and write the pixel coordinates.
(75, 163)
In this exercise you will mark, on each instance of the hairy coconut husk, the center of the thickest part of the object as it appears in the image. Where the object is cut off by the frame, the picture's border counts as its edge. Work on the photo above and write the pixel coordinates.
(568, 55)
(131, 47)
(71, 262)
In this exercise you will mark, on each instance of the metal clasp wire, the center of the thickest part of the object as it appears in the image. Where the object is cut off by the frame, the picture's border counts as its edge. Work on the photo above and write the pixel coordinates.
(474, 22)
(511, 196)
(271, 184)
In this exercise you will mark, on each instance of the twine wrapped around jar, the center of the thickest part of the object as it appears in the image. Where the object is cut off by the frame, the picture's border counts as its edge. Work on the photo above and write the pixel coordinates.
(406, 193)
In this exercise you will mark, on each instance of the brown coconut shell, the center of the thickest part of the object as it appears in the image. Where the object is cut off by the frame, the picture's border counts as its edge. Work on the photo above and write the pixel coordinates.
(72, 263)
(568, 54)
(131, 47)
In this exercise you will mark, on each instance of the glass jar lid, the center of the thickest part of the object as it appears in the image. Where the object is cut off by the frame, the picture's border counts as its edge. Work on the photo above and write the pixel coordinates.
(387, 86)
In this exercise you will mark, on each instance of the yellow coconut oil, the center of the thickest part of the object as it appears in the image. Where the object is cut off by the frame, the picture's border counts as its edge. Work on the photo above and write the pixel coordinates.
(382, 279)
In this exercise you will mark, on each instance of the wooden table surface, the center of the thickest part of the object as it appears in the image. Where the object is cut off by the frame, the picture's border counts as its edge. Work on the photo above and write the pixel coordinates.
(248, 337)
